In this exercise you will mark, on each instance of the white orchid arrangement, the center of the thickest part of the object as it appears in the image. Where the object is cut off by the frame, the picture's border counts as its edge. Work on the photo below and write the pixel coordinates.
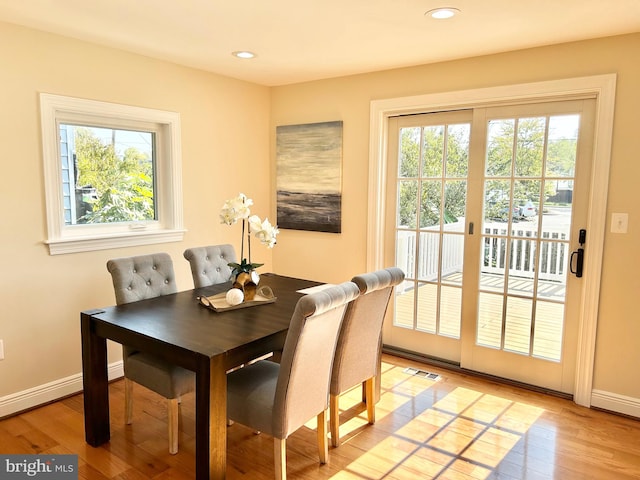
(236, 209)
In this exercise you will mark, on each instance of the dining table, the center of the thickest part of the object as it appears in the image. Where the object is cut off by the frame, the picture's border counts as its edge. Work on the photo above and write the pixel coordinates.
(180, 330)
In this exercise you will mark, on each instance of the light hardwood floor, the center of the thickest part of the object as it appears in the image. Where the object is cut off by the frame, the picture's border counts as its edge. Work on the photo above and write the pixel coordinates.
(460, 427)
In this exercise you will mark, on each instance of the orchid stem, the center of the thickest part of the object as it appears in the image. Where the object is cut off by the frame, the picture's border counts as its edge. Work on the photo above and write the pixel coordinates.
(249, 242)
(242, 242)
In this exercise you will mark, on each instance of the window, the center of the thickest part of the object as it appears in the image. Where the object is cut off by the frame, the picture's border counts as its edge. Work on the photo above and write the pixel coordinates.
(112, 175)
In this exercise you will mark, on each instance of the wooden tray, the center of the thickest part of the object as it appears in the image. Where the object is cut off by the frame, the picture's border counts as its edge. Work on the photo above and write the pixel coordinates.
(218, 302)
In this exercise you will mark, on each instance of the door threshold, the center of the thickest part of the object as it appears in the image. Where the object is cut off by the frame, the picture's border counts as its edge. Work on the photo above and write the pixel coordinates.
(455, 367)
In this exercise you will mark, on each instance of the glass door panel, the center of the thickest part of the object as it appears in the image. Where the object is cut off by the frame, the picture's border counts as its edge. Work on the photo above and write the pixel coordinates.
(485, 207)
(430, 195)
(530, 171)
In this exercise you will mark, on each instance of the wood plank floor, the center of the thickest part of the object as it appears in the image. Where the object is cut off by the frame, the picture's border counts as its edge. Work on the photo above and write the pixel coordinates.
(459, 427)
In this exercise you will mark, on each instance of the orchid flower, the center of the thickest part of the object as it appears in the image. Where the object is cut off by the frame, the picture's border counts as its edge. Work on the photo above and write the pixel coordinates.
(236, 209)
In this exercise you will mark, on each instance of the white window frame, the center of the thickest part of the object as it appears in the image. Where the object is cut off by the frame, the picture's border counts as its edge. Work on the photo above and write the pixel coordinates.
(168, 227)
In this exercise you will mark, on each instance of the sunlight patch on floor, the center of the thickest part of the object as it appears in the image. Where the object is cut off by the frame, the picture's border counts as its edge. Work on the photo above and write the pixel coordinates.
(459, 434)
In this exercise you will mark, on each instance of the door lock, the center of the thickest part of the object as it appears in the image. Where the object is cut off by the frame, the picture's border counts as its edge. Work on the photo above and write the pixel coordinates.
(578, 254)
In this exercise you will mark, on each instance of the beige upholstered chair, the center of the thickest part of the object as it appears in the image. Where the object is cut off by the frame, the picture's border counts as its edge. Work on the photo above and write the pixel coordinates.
(277, 399)
(357, 356)
(209, 264)
(139, 278)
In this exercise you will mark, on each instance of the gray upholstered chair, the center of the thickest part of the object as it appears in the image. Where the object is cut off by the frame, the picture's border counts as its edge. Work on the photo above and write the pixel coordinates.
(277, 399)
(140, 278)
(357, 357)
(209, 264)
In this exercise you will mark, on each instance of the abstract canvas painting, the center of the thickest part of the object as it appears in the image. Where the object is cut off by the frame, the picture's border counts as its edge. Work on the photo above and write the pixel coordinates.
(309, 176)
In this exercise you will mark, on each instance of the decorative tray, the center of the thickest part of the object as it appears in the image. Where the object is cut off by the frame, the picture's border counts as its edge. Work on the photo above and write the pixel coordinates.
(218, 302)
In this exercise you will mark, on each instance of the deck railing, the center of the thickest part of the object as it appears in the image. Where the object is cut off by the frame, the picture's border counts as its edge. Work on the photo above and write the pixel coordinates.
(552, 261)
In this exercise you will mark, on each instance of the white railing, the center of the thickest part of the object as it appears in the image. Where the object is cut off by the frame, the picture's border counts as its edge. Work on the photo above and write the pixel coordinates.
(452, 252)
(554, 252)
(553, 256)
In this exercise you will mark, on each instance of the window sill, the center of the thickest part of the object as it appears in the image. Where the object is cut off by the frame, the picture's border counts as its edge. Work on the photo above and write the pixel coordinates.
(104, 242)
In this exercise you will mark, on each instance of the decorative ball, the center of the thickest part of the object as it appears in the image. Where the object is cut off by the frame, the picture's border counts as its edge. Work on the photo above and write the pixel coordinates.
(235, 296)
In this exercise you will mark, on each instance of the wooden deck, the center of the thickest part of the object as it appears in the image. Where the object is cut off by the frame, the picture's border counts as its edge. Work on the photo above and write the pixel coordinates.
(547, 332)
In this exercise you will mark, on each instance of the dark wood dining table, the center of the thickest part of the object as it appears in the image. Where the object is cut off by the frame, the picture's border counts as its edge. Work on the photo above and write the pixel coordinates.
(180, 330)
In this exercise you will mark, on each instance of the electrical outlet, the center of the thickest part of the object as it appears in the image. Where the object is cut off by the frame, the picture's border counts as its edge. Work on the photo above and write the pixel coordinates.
(1, 350)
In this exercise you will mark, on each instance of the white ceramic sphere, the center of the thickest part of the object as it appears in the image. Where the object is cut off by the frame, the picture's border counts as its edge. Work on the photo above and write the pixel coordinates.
(234, 296)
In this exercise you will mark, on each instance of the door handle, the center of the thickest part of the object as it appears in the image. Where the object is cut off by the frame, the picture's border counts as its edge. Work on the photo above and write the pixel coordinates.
(579, 254)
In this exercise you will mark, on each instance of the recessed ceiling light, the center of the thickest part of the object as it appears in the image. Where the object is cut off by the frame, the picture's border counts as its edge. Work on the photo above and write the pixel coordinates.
(243, 54)
(442, 13)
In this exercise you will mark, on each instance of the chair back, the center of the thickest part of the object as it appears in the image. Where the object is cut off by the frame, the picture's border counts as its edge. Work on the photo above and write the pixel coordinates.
(209, 265)
(358, 347)
(302, 389)
(142, 277)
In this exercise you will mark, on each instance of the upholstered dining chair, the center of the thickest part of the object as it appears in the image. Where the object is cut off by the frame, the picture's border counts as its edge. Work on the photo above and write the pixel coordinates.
(140, 278)
(278, 399)
(357, 356)
(209, 265)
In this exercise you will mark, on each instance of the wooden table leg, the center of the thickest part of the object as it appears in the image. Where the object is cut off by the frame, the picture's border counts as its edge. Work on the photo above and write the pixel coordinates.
(211, 420)
(95, 384)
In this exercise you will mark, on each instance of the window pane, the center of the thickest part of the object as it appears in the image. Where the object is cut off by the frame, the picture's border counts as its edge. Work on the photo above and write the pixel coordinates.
(429, 255)
(406, 252)
(450, 311)
(547, 338)
(522, 271)
(500, 148)
(489, 329)
(404, 305)
(409, 152)
(431, 204)
(497, 194)
(407, 203)
(433, 151)
(493, 263)
(552, 274)
(517, 332)
(530, 146)
(562, 145)
(114, 174)
(458, 150)
(452, 258)
(455, 204)
(427, 307)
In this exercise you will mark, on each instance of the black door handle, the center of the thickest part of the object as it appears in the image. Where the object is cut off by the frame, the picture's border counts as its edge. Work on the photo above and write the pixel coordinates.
(579, 254)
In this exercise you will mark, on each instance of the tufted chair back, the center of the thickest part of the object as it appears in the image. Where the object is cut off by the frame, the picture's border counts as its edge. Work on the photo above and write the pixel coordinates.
(142, 277)
(278, 399)
(357, 357)
(209, 264)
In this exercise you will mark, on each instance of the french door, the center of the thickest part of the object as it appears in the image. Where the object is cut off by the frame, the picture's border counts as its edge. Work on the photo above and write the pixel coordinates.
(484, 209)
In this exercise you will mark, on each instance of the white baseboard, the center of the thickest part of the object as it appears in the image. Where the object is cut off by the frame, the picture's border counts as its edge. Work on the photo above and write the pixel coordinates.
(42, 394)
(49, 392)
(615, 403)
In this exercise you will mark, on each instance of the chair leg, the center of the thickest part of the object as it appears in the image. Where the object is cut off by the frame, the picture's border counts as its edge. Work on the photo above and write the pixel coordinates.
(323, 442)
(370, 400)
(128, 401)
(334, 419)
(172, 407)
(280, 457)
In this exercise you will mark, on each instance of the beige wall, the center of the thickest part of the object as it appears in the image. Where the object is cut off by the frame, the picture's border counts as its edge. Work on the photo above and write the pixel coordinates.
(225, 147)
(336, 257)
(228, 128)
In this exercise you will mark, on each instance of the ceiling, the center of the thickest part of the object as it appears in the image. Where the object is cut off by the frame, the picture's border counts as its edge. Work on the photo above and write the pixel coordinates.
(302, 40)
